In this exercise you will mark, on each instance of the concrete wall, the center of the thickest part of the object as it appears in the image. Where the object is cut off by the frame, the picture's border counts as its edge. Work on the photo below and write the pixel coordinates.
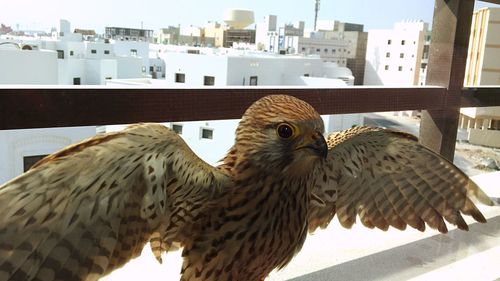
(485, 137)
(195, 67)
(271, 70)
(124, 48)
(97, 50)
(129, 67)
(16, 144)
(376, 56)
(340, 122)
(97, 71)
(68, 69)
(28, 67)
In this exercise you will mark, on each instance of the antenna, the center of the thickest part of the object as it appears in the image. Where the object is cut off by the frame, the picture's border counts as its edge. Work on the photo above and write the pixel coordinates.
(316, 10)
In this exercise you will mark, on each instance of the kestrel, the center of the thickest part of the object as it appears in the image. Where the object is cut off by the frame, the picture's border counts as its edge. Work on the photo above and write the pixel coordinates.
(86, 210)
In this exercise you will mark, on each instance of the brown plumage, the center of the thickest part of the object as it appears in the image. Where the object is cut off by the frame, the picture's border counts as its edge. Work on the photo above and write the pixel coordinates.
(86, 210)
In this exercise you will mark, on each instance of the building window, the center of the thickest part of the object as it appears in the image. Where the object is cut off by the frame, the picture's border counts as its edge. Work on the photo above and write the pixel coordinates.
(143, 69)
(400, 68)
(177, 128)
(253, 80)
(106, 52)
(402, 55)
(333, 51)
(303, 49)
(318, 50)
(133, 52)
(387, 55)
(306, 75)
(76, 81)
(151, 68)
(158, 68)
(29, 161)
(71, 53)
(207, 133)
(326, 50)
(208, 80)
(180, 78)
(93, 51)
(389, 42)
(386, 67)
(402, 42)
(60, 54)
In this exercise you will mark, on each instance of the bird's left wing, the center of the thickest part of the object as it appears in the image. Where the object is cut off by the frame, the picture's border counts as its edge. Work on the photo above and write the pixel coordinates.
(388, 179)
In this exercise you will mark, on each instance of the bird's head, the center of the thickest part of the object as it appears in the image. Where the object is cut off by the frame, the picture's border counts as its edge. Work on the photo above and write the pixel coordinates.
(281, 132)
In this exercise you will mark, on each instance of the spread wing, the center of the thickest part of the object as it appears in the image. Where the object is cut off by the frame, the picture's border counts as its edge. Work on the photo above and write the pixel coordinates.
(88, 209)
(388, 179)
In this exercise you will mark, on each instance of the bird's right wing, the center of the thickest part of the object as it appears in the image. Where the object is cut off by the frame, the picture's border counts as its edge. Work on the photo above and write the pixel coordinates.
(88, 209)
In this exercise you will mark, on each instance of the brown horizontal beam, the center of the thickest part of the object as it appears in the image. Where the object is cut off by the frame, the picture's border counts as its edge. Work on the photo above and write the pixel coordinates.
(480, 97)
(77, 106)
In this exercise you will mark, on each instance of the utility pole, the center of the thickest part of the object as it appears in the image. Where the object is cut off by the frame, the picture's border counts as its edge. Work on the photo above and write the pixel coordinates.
(316, 10)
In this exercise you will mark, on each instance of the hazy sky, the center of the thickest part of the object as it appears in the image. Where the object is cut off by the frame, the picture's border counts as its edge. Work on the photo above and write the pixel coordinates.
(96, 14)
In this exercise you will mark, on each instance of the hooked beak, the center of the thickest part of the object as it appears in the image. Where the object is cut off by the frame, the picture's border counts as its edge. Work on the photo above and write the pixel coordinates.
(317, 143)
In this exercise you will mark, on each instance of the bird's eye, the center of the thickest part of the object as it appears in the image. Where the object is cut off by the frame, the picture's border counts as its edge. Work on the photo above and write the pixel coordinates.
(285, 131)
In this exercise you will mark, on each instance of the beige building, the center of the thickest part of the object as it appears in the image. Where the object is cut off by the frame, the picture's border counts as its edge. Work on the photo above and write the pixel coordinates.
(215, 30)
(395, 57)
(483, 69)
(186, 35)
(355, 38)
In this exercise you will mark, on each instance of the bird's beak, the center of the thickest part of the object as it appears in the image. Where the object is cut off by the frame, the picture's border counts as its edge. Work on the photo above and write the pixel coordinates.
(317, 143)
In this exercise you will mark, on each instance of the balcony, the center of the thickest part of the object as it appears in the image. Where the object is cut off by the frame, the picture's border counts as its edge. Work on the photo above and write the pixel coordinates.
(335, 253)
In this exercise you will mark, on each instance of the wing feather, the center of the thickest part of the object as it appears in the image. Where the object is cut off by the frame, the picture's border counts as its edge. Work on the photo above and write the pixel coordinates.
(388, 179)
(88, 209)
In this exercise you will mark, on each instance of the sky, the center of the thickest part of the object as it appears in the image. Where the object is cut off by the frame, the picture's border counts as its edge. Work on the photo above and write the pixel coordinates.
(154, 14)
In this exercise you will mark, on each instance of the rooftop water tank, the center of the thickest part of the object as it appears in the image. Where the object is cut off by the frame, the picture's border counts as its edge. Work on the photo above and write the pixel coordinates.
(237, 18)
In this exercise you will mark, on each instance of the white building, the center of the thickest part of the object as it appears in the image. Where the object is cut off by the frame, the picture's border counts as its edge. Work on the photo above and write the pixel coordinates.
(195, 67)
(394, 56)
(20, 66)
(66, 59)
(19, 149)
(133, 50)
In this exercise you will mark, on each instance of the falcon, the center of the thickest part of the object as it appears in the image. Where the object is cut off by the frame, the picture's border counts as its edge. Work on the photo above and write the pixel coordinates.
(86, 210)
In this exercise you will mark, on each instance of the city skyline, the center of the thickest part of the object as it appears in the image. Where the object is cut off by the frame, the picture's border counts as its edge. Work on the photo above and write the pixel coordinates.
(154, 14)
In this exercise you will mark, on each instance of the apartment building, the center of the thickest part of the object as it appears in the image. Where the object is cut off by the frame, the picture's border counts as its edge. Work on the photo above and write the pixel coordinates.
(482, 125)
(341, 43)
(394, 56)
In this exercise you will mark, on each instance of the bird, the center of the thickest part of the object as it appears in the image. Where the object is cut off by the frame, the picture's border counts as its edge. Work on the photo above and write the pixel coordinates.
(86, 210)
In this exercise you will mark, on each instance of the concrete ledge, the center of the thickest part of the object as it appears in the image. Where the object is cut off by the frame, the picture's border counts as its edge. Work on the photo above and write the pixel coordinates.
(365, 254)
(485, 137)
